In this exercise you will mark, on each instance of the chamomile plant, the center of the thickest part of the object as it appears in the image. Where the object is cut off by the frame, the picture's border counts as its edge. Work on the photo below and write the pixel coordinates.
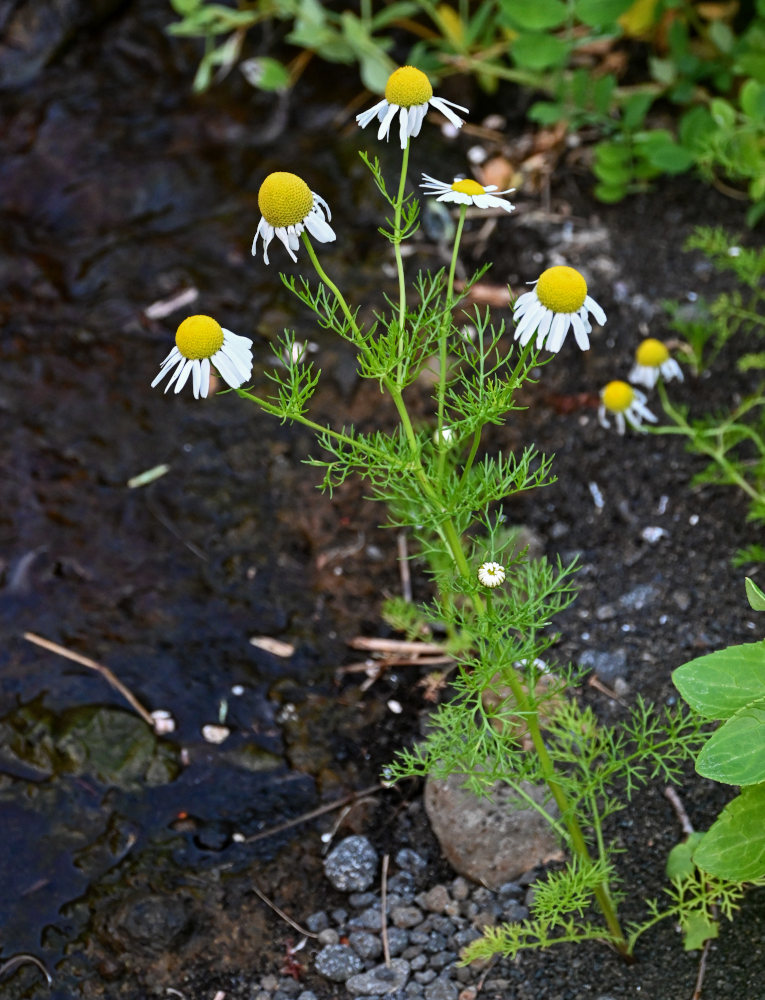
(512, 717)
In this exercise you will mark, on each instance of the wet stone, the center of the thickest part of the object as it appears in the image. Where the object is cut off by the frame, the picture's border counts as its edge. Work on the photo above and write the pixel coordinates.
(427, 976)
(402, 885)
(442, 958)
(362, 900)
(368, 920)
(338, 962)
(381, 980)
(639, 597)
(152, 921)
(352, 865)
(329, 936)
(461, 888)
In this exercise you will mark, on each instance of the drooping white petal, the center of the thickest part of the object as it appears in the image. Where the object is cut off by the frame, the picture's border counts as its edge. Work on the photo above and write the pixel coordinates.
(204, 377)
(196, 373)
(595, 309)
(416, 118)
(366, 117)
(382, 132)
(580, 333)
(317, 227)
(182, 373)
(446, 111)
(558, 330)
(403, 127)
(282, 235)
(317, 198)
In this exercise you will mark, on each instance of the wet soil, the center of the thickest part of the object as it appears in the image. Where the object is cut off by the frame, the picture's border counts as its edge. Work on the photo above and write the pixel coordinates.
(120, 869)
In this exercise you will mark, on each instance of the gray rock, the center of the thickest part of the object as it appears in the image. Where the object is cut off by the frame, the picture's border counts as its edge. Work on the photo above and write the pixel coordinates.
(410, 861)
(380, 980)
(317, 921)
(329, 936)
(402, 885)
(307, 995)
(365, 945)
(436, 899)
(398, 939)
(606, 664)
(639, 597)
(442, 989)
(406, 916)
(338, 962)
(426, 976)
(352, 865)
(490, 840)
(367, 920)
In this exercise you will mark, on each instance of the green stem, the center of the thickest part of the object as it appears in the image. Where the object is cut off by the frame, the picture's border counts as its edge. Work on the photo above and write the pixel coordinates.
(446, 324)
(330, 284)
(578, 844)
(399, 260)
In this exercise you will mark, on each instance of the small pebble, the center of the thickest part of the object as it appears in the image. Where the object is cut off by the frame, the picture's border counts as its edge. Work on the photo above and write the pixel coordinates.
(329, 936)
(317, 921)
(410, 861)
(352, 865)
(442, 989)
(365, 945)
(380, 980)
(338, 963)
(406, 916)
(436, 899)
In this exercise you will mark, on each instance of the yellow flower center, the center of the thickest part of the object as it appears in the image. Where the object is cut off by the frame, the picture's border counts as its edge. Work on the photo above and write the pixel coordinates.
(468, 186)
(562, 289)
(284, 199)
(199, 337)
(408, 87)
(618, 396)
(651, 353)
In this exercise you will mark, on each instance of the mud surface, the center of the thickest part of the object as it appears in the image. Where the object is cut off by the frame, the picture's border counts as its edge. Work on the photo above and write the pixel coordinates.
(120, 869)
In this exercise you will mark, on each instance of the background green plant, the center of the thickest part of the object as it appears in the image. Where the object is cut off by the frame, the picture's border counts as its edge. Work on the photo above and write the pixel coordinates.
(729, 686)
(695, 95)
(734, 441)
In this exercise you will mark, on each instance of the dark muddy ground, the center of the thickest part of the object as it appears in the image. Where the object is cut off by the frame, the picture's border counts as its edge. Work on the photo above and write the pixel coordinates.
(119, 189)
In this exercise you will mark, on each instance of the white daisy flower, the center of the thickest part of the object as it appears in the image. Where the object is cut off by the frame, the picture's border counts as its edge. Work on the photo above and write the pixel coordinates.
(652, 360)
(491, 574)
(558, 301)
(201, 342)
(464, 191)
(626, 404)
(289, 206)
(408, 92)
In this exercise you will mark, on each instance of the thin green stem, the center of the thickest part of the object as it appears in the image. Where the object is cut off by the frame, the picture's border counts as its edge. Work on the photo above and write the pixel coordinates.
(446, 324)
(398, 207)
(330, 284)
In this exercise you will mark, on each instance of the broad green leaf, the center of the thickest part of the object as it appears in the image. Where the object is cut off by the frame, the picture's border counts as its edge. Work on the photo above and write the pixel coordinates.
(612, 154)
(661, 150)
(754, 595)
(634, 110)
(266, 73)
(535, 51)
(534, 15)
(719, 684)
(610, 194)
(735, 753)
(601, 13)
(752, 100)
(734, 846)
(680, 859)
(697, 930)
(546, 113)
(722, 112)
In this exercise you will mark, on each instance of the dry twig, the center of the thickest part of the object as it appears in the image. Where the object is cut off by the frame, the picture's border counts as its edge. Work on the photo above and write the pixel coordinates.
(105, 672)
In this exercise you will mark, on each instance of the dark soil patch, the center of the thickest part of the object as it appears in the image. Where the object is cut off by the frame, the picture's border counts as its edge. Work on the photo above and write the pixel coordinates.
(121, 188)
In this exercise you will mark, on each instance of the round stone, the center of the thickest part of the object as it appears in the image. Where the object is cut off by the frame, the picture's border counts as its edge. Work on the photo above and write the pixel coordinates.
(352, 865)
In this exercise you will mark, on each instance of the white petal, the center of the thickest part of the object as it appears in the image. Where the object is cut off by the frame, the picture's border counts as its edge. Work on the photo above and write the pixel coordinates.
(579, 332)
(403, 126)
(457, 197)
(602, 419)
(523, 303)
(530, 320)
(366, 117)
(178, 369)
(544, 334)
(322, 204)
(204, 377)
(173, 354)
(282, 234)
(196, 374)
(416, 118)
(619, 418)
(185, 372)
(594, 308)
(227, 370)
(382, 132)
(317, 227)
(558, 331)
(441, 105)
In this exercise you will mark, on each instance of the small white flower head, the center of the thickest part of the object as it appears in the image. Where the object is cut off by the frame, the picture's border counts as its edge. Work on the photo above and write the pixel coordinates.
(409, 94)
(558, 301)
(652, 360)
(626, 404)
(491, 574)
(288, 206)
(465, 191)
(201, 342)
(444, 438)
